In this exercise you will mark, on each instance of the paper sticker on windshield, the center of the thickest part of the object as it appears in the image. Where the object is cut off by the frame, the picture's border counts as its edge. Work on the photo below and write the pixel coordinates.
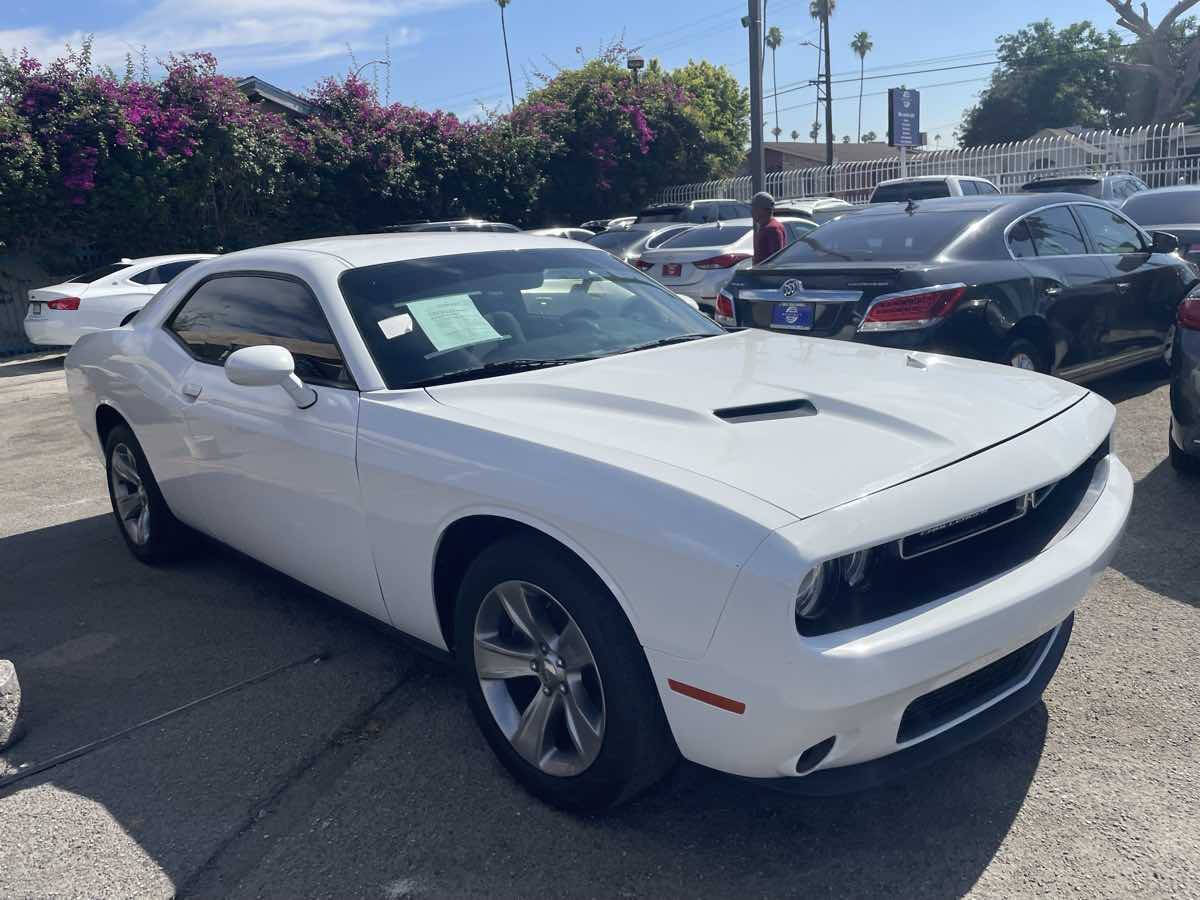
(394, 326)
(452, 322)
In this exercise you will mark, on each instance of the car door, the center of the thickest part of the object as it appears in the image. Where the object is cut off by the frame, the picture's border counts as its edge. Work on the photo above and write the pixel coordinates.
(274, 481)
(1072, 285)
(1141, 280)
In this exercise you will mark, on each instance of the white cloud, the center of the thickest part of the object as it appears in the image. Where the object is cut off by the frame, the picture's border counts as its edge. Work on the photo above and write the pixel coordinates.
(247, 36)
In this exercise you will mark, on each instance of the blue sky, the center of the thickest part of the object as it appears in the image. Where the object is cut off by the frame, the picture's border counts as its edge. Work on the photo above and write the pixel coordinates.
(448, 54)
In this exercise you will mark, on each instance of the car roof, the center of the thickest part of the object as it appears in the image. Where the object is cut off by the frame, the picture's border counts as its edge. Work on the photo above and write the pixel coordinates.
(372, 249)
(1173, 189)
(1018, 204)
(166, 258)
(915, 178)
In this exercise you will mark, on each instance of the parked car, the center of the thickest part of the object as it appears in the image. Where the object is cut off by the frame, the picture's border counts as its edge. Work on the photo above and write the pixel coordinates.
(628, 244)
(622, 222)
(453, 225)
(696, 211)
(638, 535)
(107, 297)
(1173, 209)
(1056, 283)
(927, 187)
(1184, 436)
(1111, 187)
(571, 234)
(700, 261)
(596, 225)
(818, 209)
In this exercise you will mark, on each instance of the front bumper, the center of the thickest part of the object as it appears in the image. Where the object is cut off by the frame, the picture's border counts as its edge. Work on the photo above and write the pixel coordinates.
(855, 685)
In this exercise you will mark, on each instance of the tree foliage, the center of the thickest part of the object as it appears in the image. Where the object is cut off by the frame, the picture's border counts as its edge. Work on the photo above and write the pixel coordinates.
(1048, 78)
(128, 166)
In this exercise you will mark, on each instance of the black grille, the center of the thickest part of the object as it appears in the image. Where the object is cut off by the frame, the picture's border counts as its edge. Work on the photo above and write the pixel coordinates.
(895, 584)
(933, 710)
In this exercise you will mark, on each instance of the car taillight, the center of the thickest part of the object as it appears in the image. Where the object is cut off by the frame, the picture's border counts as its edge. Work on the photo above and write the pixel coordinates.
(724, 261)
(723, 313)
(64, 303)
(912, 309)
(1189, 313)
(643, 265)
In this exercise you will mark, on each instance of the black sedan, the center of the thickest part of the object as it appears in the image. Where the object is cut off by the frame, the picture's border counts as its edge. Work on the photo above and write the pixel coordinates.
(1057, 283)
(1185, 389)
(1173, 209)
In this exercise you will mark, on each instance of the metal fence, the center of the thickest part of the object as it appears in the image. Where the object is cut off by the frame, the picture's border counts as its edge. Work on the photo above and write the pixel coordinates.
(1160, 155)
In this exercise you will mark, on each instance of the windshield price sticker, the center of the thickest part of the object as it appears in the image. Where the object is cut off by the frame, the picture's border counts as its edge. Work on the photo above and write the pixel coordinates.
(452, 322)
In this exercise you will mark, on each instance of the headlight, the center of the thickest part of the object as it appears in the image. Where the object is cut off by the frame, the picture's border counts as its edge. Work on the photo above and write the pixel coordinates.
(824, 582)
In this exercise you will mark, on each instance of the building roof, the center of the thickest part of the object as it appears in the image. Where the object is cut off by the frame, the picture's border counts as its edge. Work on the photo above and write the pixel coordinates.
(842, 153)
(265, 92)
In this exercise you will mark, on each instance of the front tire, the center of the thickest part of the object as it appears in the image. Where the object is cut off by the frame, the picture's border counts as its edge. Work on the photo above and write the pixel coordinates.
(1182, 461)
(556, 678)
(150, 531)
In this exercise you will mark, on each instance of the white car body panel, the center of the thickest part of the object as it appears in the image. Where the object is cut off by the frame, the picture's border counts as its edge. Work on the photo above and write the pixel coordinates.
(700, 527)
(103, 304)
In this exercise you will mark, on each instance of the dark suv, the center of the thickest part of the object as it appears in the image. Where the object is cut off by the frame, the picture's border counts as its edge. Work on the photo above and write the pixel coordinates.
(1111, 187)
(696, 212)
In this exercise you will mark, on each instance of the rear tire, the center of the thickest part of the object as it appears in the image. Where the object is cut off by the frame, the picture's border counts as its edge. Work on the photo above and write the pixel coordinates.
(147, 526)
(603, 737)
(1182, 461)
(1021, 353)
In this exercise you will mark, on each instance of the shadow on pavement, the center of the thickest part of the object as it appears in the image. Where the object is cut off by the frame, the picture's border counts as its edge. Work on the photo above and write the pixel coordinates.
(1158, 550)
(14, 368)
(365, 776)
(1131, 383)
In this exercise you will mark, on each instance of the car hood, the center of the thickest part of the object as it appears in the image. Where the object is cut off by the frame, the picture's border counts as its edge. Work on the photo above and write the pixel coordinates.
(842, 420)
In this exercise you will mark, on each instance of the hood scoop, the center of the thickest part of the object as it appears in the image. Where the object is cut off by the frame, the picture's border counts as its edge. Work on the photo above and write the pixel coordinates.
(766, 412)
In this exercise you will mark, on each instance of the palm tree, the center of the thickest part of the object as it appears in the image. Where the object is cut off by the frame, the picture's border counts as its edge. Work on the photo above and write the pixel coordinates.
(821, 10)
(795, 135)
(862, 45)
(774, 39)
(507, 62)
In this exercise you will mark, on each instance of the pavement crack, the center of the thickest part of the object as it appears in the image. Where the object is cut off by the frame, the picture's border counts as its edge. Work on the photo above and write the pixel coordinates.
(289, 803)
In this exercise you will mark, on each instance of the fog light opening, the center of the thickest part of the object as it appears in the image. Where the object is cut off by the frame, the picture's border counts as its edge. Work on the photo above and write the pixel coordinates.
(814, 756)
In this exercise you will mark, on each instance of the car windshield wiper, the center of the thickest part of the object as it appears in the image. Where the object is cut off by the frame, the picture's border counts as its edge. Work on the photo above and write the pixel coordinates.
(500, 367)
(665, 342)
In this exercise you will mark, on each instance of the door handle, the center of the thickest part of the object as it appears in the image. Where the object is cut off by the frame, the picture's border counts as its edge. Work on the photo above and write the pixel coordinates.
(191, 390)
(1123, 286)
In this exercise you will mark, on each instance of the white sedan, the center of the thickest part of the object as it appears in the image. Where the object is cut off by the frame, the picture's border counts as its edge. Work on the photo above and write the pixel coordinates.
(792, 559)
(60, 314)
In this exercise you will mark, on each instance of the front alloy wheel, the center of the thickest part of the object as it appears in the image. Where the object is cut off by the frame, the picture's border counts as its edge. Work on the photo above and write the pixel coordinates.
(130, 499)
(539, 678)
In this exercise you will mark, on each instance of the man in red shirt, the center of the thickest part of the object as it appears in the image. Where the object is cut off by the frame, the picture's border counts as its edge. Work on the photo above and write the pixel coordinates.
(768, 232)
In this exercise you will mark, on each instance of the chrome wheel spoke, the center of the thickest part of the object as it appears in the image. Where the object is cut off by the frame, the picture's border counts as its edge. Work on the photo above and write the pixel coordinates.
(129, 506)
(493, 660)
(531, 738)
(515, 600)
(572, 647)
(124, 467)
(585, 734)
(142, 528)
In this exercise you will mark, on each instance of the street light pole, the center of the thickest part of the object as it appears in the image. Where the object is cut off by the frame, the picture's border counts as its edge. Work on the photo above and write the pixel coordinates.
(758, 175)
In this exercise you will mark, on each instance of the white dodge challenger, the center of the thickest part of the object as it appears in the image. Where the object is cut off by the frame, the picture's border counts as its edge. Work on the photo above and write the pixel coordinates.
(814, 563)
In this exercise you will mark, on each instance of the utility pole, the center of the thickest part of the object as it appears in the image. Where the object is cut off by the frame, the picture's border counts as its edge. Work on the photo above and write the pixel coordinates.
(828, 87)
(758, 176)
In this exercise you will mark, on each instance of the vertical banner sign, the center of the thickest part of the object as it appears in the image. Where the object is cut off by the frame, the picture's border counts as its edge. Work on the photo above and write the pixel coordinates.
(904, 117)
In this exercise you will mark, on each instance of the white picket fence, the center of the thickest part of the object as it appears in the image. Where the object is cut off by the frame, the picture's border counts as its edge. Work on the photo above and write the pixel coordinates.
(1160, 155)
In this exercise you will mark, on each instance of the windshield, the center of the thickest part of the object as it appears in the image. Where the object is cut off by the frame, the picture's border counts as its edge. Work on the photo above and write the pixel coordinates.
(1088, 188)
(97, 274)
(888, 238)
(471, 315)
(715, 235)
(910, 190)
(1167, 208)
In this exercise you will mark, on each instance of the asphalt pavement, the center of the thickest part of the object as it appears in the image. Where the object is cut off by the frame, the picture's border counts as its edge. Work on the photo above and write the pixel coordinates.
(362, 775)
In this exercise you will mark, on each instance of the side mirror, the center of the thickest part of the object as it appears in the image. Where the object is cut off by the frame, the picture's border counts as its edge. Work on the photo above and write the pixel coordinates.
(1164, 242)
(268, 367)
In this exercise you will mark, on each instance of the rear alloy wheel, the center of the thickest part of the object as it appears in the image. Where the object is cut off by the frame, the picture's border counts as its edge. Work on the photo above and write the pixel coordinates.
(556, 677)
(1024, 354)
(151, 533)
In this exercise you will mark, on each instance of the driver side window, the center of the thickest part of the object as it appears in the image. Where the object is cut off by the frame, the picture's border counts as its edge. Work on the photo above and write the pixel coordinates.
(229, 312)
